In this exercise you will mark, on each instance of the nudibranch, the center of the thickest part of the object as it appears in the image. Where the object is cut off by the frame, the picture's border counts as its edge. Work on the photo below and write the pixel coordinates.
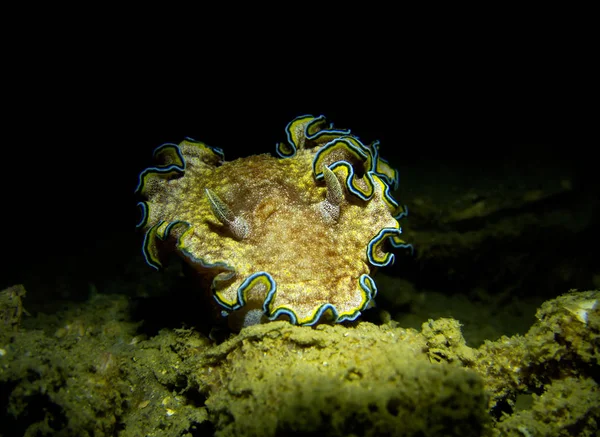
(293, 237)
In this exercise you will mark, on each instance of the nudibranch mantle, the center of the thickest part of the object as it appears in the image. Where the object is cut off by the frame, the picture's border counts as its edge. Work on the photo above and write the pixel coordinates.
(294, 237)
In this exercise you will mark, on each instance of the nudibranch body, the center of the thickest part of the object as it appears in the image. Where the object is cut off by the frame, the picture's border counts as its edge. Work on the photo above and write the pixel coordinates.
(293, 238)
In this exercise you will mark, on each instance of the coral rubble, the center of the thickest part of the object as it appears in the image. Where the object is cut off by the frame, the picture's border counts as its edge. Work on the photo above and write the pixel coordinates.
(88, 373)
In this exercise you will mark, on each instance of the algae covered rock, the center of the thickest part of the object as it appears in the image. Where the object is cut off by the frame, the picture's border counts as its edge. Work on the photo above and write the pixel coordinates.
(385, 380)
(564, 342)
(365, 380)
(89, 372)
(567, 333)
(567, 407)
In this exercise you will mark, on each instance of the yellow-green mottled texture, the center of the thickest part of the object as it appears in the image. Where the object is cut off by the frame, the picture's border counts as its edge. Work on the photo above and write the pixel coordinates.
(312, 260)
(336, 380)
(564, 342)
(277, 379)
(567, 407)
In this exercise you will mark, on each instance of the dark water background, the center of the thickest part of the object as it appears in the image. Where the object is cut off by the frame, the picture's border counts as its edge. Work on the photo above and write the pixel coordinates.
(77, 138)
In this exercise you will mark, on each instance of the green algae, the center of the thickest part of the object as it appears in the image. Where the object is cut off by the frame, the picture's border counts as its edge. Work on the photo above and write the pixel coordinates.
(567, 407)
(88, 372)
(365, 380)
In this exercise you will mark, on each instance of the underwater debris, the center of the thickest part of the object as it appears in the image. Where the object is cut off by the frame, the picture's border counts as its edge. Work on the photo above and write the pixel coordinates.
(11, 307)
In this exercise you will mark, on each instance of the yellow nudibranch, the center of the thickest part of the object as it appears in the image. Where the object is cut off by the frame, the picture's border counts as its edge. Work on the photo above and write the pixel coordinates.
(293, 238)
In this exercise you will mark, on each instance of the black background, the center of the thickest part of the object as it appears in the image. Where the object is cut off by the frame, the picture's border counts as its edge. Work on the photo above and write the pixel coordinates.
(80, 124)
